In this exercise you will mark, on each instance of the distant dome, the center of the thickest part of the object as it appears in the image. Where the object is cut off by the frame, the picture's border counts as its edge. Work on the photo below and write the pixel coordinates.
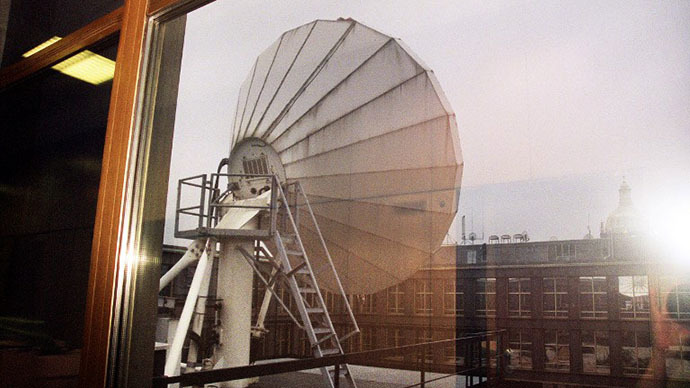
(625, 220)
(588, 236)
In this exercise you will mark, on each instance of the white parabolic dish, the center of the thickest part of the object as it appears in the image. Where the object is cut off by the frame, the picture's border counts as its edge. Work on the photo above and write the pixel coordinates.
(363, 124)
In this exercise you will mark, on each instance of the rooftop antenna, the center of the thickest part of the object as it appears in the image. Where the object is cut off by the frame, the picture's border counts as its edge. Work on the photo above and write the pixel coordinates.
(343, 146)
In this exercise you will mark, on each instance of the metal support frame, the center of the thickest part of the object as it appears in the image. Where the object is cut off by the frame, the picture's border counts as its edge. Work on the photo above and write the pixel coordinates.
(296, 273)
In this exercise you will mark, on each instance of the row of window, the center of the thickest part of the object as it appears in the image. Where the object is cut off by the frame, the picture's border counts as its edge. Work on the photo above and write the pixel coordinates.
(592, 296)
(555, 252)
(635, 349)
(636, 352)
(633, 297)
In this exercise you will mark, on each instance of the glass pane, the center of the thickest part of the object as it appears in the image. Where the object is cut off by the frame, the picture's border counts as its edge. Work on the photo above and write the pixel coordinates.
(29, 25)
(51, 151)
(338, 110)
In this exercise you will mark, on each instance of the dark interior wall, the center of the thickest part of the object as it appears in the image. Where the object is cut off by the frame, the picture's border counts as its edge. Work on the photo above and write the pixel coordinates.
(4, 15)
(32, 22)
(53, 130)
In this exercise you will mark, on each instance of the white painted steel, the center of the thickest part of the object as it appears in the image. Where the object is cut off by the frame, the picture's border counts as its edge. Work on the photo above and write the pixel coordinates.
(261, 316)
(235, 289)
(172, 361)
(363, 124)
(234, 273)
(200, 308)
(194, 251)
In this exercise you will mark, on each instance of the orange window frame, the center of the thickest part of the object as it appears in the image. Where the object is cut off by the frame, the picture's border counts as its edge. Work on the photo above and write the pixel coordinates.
(131, 21)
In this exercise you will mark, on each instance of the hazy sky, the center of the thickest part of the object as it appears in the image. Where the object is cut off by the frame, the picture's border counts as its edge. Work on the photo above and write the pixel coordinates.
(541, 90)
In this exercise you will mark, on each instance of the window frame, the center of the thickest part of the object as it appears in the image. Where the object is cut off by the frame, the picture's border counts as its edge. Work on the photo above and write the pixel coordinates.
(598, 369)
(423, 297)
(453, 297)
(120, 242)
(524, 309)
(524, 346)
(556, 313)
(638, 369)
(481, 293)
(670, 294)
(635, 313)
(559, 365)
(592, 294)
(397, 293)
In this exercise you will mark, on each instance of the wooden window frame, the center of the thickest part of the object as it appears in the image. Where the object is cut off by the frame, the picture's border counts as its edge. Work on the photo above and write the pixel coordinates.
(107, 308)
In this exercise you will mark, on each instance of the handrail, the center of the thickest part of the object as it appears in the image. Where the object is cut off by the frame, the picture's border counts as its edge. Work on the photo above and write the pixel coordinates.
(308, 263)
(210, 203)
(235, 373)
(330, 262)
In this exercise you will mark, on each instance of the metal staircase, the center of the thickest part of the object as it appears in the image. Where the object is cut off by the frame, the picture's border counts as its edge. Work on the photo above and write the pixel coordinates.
(290, 266)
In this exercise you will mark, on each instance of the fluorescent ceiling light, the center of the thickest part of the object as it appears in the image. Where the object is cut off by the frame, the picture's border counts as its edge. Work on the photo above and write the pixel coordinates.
(86, 65)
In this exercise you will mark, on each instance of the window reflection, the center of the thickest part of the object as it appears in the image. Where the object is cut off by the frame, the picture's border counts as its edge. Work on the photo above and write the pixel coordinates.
(556, 350)
(637, 352)
(593, 302)
(521, 349)
(633, 297)
(486, 297)
(675, 297)
(555, 297)
(595, 352)
(678, 356)
(519, 297)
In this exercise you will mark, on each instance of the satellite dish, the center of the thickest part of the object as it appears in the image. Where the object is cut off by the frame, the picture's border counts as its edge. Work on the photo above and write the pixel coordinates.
(363, 124)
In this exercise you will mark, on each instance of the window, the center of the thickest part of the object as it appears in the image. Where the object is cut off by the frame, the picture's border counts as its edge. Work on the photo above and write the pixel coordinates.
(422, 297)
(555, 298)
(637, 352)
(486, 297)
(556, 350)
(675, 298)
(453, 297)
(395, 299)
(519, 297)
(366, 337)
(258, 290)
(393, 338)
(595, 352)
(520, 344)
(471, 257)
(283, 341)
(310, 299)
(678, 356)
(305, 346)
(489, 351)
(423, 336)
(633, 297)
(364, 304)
(452, 353)
(593, 297)
(562, 251)
(329, 299)
(286, 297)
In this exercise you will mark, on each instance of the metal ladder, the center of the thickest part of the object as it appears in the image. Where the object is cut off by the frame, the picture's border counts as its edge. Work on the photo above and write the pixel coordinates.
(291, 265)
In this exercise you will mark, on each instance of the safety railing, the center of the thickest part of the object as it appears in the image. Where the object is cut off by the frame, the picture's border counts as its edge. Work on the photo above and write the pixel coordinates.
(295, 192)
(209, 205)
(482, 367)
